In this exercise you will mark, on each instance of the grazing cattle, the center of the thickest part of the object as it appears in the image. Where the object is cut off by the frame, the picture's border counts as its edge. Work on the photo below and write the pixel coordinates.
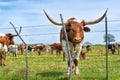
(75, 32)
(39, 48)
(48, 48)
(13, 49)
(117, 45)
(88, 48)
(5, 41)
(22, 48)
(83, 55)
(30, 48)
(113, 47)
(58, 48)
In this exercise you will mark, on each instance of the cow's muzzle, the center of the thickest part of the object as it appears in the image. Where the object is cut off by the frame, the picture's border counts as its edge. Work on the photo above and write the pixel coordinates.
(77, 40)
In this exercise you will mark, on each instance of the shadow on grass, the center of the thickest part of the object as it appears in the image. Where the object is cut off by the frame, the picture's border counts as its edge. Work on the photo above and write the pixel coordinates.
(52, 73)
(58, 75)
(91, 78)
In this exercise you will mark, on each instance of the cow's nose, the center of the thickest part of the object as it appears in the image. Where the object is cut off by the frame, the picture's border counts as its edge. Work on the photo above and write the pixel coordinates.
(77, 39)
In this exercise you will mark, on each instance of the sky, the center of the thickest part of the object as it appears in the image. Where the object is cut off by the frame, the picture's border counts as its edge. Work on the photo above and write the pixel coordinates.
(36, 28)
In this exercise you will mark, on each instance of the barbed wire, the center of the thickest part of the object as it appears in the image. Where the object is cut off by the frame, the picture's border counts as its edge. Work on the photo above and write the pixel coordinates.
(49, 25)
(39, 34)
(35, 26)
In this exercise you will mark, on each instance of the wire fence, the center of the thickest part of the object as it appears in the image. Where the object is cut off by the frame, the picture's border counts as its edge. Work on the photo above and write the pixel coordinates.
(94, 64)
(57, 33)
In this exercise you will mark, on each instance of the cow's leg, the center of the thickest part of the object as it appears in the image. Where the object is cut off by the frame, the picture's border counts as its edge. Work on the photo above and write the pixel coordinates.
(64, 56)
(21, 52)
(39, 52)
(0, 59)
(76, 71)
(15, 54)
(57, 52)
(76, 58)
(4, 58)
(68, 70)
(73, 67)
(118, 51)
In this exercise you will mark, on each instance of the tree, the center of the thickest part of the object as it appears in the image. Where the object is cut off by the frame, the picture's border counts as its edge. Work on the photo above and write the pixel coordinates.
(87, 43)
(111, 38)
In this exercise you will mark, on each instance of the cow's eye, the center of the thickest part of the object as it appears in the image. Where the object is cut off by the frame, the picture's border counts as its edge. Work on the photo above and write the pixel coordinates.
(68, 24)
(68, 30)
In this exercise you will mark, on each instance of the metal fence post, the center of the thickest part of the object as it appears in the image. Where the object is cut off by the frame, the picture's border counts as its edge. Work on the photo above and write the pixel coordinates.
(26, 50)
(68, 49)
(106, 31)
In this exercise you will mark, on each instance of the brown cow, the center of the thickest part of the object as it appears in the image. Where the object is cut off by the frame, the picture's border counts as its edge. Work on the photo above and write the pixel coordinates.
(83, 55)
(58, 48)
(88, 48)
(5, 41)
(39, 48)
(22, 48)
(75, 32)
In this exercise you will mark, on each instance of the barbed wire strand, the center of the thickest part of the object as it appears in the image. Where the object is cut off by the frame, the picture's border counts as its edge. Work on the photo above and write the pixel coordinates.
(48, 25)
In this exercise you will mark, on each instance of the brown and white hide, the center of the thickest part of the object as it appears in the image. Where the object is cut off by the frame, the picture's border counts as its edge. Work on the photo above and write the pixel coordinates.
(75, 33)
(5, 41)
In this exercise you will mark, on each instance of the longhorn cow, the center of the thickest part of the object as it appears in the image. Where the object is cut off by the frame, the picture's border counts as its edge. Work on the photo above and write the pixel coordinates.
(5, 41)
(75, 32)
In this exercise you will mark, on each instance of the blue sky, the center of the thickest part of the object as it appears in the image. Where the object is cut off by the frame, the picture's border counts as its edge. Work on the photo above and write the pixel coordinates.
(29, 14)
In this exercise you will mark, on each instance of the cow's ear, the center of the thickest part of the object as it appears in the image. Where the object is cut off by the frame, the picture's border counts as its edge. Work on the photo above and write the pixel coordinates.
(86, 29)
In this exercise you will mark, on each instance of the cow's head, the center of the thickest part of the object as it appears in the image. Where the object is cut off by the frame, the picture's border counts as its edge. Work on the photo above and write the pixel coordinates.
(10, 38)
(75, 30)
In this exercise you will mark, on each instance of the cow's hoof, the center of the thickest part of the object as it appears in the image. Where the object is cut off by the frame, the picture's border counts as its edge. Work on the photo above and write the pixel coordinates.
(68, 71)
(4, 64)
(76, 73)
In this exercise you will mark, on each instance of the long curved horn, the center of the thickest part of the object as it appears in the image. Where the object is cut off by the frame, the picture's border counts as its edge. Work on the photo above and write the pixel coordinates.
(51, 20)
(98, 20)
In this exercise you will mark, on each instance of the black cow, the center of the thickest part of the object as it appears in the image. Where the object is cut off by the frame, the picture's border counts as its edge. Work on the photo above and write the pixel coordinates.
(112, 48)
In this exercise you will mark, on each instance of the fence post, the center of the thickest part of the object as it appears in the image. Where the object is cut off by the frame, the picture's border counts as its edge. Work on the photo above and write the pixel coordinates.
(26, 49)
(68, 49)
(106, 31)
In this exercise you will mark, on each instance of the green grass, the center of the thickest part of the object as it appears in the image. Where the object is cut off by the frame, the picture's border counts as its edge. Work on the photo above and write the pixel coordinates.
(52, 67)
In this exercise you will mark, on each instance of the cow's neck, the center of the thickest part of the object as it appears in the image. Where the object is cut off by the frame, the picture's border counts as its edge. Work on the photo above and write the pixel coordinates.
(77, 48)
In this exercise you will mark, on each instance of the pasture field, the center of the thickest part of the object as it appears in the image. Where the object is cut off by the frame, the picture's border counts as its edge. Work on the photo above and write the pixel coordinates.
(52, 67)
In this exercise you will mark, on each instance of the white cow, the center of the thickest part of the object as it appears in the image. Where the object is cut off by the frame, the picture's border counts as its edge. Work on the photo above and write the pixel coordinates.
(13, 49)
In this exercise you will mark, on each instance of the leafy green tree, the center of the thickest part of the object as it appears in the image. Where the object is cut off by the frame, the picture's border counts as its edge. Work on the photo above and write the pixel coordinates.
(111, 38)
(87, 43)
